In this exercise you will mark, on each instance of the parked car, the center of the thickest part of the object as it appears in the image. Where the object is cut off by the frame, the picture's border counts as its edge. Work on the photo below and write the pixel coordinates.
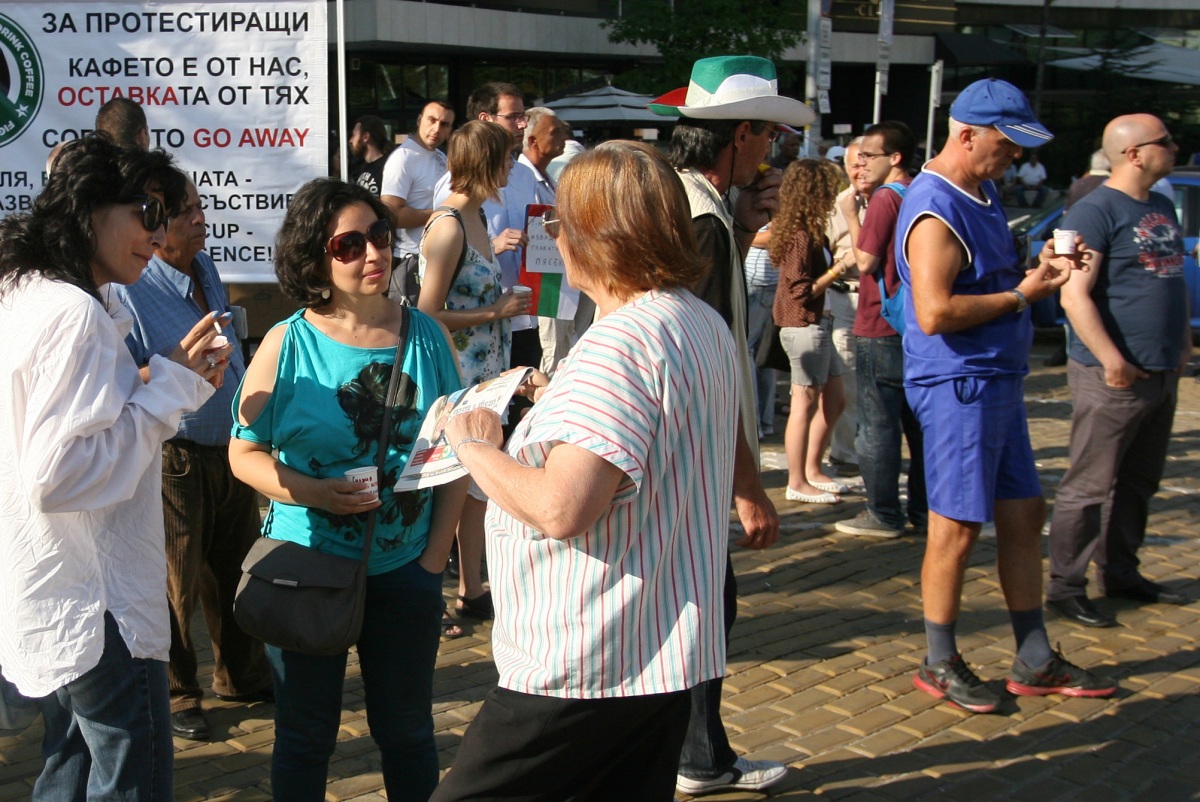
(1032, 231)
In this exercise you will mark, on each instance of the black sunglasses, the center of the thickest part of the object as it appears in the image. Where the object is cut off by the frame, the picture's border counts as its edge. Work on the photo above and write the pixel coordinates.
(1162, 142)
(550, 222)
(154, 214)
(350, 245)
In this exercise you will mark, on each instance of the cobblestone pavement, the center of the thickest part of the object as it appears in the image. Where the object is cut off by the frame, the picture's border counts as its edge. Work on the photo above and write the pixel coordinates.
(820, 672)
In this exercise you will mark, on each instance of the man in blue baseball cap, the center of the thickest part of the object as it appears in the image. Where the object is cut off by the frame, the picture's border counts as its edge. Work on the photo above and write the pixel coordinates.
(966, 351)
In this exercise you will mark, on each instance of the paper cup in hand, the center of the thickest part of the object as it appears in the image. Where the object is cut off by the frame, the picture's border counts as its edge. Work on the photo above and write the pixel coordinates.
(218, 342)
(366, 478)
(521, 289)
(1064, 241)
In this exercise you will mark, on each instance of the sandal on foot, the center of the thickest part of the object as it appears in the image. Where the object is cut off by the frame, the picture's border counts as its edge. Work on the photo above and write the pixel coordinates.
(450, 628)
(479, 607)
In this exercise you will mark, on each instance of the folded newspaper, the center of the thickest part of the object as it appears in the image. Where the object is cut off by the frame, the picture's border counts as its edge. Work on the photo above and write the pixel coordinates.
(432, 461)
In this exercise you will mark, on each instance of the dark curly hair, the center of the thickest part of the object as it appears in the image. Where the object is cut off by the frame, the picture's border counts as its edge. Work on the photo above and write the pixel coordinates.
(55, 238)
(300, 244)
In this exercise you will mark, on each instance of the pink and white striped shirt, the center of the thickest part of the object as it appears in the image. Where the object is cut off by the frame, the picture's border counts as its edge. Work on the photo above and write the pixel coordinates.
(633, 606)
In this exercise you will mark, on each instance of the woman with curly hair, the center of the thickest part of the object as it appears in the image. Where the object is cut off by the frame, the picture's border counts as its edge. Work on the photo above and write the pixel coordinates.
(84, 624)
(472, 305)
(800, 250)
(310, 407)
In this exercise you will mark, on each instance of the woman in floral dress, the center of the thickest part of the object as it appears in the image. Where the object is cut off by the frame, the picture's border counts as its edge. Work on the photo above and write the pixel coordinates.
(472, 305)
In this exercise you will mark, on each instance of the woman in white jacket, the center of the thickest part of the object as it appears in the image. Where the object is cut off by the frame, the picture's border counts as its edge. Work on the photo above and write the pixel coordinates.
(83, 605)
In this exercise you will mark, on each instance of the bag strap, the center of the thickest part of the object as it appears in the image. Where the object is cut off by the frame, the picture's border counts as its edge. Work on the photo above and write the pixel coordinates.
(899, 188)
(397, 388)
(457, 215)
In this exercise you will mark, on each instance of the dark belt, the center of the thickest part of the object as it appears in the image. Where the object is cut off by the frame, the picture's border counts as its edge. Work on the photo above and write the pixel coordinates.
(192, 445)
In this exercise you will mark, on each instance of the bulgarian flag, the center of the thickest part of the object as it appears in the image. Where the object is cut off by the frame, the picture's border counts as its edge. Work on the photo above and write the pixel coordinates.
(542, 269)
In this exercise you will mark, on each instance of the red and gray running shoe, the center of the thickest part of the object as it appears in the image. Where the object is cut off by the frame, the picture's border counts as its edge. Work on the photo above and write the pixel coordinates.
(1058, 676)
(954, 681)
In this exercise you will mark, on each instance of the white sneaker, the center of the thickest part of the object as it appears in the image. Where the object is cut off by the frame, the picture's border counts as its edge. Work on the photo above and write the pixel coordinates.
(745, 775)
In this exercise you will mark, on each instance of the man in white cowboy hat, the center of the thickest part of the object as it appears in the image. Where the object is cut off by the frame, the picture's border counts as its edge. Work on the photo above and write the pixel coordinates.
(966, 351)
(727, 120)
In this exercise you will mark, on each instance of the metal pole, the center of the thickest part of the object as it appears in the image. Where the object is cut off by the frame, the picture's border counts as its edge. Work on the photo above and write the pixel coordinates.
(878, 100)
(935, 100)
(810, 76)
(1040, 78)
(344, 144)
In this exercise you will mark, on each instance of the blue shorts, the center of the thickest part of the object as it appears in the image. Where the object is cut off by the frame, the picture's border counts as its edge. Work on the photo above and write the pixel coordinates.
(977, 446)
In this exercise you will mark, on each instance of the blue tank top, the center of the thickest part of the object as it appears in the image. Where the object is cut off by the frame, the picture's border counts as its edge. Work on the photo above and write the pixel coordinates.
(323, 418)
(999, 347)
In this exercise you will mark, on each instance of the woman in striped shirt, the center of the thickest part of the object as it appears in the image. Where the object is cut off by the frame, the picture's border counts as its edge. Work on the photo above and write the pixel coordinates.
(608, 513)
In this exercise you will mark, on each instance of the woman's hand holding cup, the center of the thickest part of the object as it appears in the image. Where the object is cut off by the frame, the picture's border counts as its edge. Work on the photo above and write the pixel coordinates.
(204, 350)
(513, 302)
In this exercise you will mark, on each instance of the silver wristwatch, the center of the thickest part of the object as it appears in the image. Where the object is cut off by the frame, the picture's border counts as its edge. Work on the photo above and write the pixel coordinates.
(1022, 301)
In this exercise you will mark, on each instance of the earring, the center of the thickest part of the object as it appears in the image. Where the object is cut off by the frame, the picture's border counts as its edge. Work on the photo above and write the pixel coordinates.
(325, 294)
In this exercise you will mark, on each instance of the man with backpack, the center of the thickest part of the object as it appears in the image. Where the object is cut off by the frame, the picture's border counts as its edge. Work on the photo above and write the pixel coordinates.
(883, 412)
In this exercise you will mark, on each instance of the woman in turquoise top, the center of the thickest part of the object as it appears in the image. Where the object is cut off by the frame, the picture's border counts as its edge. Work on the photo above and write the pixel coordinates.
(309, 408)
(473, 306)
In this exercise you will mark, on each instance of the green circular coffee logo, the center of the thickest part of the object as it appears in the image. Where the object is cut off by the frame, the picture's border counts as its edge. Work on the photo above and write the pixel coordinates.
(21, 81)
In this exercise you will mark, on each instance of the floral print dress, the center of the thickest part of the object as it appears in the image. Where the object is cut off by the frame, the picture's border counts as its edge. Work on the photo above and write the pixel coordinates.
(483, 350)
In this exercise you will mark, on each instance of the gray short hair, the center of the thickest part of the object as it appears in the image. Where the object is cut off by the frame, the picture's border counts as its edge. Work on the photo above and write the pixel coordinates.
(956, 127)
(532, 118)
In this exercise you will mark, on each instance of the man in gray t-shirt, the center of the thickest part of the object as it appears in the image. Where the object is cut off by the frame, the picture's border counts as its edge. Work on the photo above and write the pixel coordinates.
(1132, 338)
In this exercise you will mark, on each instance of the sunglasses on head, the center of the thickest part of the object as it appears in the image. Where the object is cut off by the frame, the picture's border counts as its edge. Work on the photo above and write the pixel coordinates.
(550, 222)
(350, 245)
(154, 214)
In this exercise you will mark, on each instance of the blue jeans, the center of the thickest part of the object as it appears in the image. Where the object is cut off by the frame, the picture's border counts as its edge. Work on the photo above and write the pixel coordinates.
(706, 751)
(760, 304)
(108, 732)
(883, 416)
(396, 652)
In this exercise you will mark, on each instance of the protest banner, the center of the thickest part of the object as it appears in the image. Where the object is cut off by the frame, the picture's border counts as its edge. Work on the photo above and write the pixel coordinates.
(237, 91)
(543, 271)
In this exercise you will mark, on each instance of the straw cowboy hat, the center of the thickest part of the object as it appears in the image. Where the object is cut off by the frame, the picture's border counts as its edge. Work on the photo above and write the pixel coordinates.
(733, 88)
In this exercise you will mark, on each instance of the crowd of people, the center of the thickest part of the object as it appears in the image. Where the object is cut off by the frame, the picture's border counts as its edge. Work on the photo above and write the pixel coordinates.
(138, 442)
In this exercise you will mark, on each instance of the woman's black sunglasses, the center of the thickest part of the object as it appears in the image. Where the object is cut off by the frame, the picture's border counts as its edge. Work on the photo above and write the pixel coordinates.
(154, 214)
(350, 245)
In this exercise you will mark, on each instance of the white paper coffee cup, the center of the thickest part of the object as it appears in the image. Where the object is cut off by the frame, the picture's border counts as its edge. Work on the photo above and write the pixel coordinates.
(521, 289)
(367, 478)
(1064, 241)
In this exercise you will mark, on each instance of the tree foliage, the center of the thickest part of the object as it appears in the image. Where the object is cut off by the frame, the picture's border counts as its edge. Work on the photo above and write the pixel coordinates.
(686, 30)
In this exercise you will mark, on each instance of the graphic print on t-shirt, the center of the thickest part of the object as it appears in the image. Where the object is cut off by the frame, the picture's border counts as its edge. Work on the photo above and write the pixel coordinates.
(1160, 247)
(362, 399)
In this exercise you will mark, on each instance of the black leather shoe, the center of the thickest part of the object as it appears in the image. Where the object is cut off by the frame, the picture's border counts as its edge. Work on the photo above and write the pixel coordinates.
(190, 724)
(1147, 592)
(267, 695)
(1081, 610)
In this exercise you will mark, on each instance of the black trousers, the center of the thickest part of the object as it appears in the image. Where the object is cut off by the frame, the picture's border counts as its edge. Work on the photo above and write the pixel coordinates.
(527, 748)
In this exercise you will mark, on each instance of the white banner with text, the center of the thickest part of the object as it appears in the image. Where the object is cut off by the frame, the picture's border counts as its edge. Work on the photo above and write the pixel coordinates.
(236, 91)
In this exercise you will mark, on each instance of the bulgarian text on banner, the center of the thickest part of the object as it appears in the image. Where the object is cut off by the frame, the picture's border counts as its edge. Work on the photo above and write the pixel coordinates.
(237, 91)
(542, 270)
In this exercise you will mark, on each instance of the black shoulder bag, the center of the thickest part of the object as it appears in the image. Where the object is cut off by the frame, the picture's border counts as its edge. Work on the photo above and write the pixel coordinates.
(304, 600)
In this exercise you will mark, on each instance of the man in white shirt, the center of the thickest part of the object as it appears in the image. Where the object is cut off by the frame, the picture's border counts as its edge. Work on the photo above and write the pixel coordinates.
(408, 180)
(1032, 175)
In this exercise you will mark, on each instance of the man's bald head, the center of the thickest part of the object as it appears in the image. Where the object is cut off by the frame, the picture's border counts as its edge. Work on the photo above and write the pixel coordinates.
(1140, 149)
(1128, 131)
